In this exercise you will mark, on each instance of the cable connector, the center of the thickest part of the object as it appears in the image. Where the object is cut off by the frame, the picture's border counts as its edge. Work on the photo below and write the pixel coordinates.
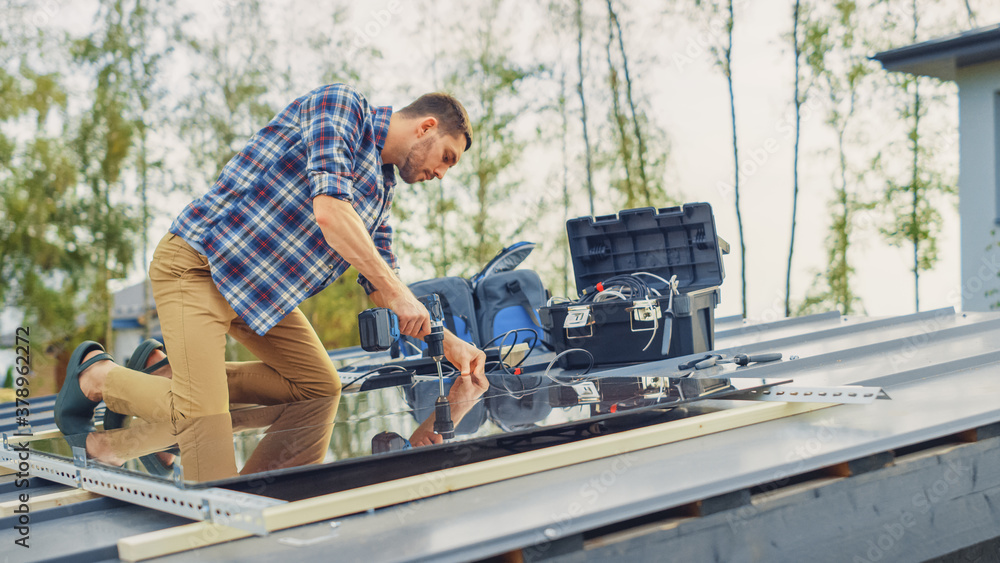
(592, 290)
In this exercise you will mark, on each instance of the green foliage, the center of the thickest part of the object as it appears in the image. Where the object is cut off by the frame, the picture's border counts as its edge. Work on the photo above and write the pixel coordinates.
(333, 312)
(838, 68)
(911, 197)
(722, 52)
(637, 162)
(461, 213)
(229, 88)
(111, 138)
(43, 255)
(8, 380)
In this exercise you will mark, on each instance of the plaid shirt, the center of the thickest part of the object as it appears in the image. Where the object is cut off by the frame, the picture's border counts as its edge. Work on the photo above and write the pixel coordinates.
(256, 225)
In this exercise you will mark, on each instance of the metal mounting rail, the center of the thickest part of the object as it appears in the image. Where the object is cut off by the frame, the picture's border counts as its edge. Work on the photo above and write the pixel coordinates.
(848, 394)
(220, 506)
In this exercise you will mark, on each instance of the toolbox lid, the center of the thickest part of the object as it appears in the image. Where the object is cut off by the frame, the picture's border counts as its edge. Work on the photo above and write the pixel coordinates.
(664, 242)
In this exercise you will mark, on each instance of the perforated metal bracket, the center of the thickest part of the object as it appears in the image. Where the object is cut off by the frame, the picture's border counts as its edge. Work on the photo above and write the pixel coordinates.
(848, 394)
(221, 506)
(79, 456)
(238, 510)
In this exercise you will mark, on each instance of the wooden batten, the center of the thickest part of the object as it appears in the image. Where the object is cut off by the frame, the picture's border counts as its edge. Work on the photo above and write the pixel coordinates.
(335, 505)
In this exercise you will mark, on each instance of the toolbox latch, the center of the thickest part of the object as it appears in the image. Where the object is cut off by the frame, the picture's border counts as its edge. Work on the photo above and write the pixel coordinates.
(578, 317)
(644, 311)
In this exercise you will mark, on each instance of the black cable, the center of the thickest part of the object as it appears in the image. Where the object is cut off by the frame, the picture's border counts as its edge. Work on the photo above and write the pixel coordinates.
(503, 365)
(636, 286)
(376, 370)
(503, 339)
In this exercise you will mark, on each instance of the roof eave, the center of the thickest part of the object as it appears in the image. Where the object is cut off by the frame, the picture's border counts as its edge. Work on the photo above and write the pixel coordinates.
(941, 58)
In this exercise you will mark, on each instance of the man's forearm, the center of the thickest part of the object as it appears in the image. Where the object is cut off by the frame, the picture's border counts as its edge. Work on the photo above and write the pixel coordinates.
(346, 234)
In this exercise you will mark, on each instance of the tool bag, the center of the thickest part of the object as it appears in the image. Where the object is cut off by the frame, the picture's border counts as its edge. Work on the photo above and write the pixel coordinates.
(648, 282)
(508, 299)
(496, 300)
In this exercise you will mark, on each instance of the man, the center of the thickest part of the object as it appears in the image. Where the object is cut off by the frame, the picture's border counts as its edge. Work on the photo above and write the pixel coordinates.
(308, 196)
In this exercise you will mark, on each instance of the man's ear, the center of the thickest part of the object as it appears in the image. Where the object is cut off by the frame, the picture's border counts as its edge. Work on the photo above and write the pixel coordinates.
(426, 125)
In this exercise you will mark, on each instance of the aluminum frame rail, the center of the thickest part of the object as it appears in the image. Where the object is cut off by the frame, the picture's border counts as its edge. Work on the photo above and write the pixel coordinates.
(220, 506)
(843, 394)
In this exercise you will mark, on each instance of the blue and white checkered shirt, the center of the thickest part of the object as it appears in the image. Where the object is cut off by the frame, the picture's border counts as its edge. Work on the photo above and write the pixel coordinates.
(256, 225)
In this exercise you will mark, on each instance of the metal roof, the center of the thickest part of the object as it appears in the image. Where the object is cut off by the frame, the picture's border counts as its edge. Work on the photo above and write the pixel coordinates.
(942, 57)
(941, 368)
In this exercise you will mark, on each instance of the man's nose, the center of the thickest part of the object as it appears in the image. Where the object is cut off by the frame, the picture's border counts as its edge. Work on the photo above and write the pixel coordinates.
(439, 172)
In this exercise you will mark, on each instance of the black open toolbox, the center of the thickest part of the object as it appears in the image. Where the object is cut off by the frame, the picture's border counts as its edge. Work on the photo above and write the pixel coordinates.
(679, 241)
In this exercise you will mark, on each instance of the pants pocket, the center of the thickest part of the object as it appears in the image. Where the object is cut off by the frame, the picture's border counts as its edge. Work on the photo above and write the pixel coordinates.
(175, 258)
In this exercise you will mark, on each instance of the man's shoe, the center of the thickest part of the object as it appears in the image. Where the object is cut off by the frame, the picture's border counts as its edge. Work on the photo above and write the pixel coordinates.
(73, 410)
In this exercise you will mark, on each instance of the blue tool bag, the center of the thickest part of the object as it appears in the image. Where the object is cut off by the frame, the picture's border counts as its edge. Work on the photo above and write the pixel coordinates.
(496, 300)
(509, 301)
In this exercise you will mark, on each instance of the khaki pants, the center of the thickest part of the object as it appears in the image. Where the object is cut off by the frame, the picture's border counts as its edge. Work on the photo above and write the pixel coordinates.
(195, 319)
(296, 434)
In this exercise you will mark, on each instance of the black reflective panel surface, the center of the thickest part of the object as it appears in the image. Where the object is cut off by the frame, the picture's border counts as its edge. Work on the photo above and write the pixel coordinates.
(323, 445)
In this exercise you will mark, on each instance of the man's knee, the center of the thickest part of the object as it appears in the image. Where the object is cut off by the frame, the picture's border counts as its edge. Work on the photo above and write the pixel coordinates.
(327, 384)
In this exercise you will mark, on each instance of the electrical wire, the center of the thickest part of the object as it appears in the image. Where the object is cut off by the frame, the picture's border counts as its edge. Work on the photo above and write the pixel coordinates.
(503, 364)
(635, 286)
(637, 289)
(654, 276)
(581, 374)
(656, 325)
(611, 294)
(510, 350)
(412, 345)
(376, 370)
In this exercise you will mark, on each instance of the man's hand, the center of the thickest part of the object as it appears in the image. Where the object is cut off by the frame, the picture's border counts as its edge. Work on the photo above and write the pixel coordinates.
(465, 391)
(414, 319)
(469, 360)
(425, 435)
(464, 394)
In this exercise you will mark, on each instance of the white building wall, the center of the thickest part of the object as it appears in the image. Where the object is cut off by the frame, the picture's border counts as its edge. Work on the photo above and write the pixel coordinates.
(979, 207)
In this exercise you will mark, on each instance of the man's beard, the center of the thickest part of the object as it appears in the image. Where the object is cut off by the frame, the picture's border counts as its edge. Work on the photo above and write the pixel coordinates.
(412, 170)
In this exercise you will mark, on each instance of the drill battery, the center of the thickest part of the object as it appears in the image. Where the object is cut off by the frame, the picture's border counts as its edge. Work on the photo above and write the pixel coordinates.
(379, 329)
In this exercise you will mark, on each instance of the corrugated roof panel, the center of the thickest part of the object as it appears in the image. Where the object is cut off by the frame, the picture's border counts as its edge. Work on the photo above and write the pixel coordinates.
(939, 367)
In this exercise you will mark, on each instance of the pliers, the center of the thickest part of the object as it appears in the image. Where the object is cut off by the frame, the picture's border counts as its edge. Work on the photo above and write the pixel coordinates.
(710, 360)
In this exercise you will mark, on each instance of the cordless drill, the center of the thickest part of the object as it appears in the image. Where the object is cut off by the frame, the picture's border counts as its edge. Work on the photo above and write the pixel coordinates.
(435, 350)
(379, 328)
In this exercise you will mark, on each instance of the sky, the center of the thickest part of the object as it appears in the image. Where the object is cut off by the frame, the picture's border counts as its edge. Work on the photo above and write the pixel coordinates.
(687, 97)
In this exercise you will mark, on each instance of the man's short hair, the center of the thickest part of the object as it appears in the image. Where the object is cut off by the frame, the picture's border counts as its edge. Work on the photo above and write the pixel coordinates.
(451, 115)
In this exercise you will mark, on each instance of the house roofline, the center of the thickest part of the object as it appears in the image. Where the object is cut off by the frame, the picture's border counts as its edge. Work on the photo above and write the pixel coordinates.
(942, 57)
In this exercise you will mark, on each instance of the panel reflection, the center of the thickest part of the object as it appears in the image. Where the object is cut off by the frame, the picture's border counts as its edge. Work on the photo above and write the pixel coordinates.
(265, 440)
